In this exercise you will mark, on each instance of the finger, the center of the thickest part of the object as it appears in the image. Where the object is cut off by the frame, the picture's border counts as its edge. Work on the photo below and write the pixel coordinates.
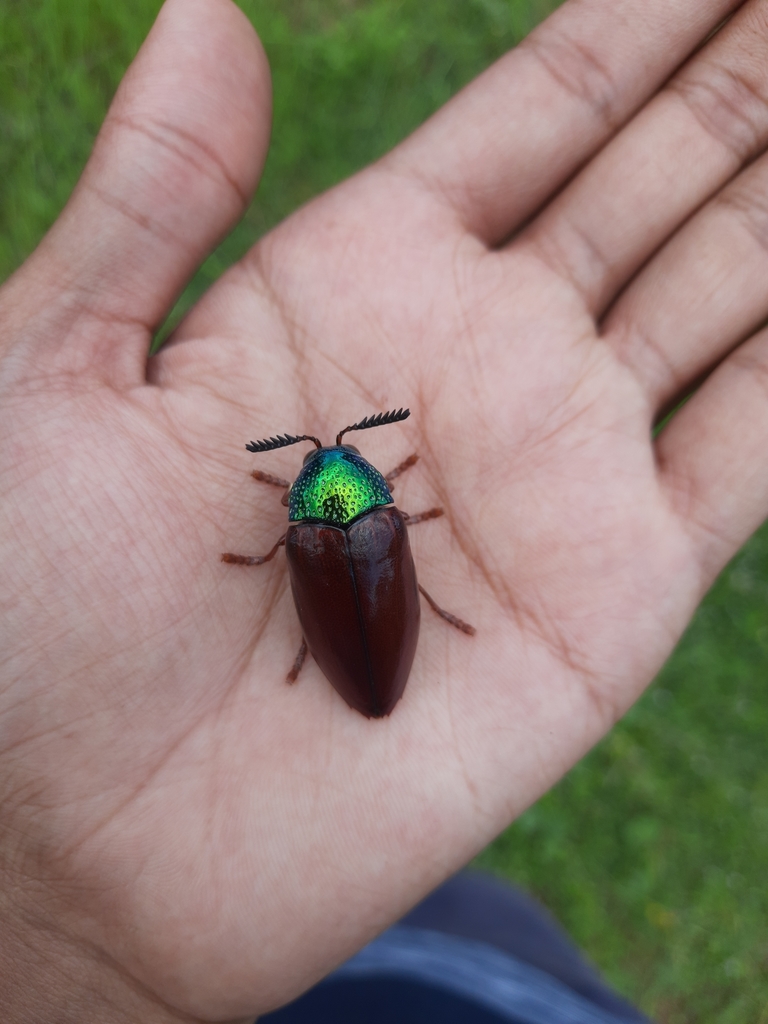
(712, 457)
(501, 147)
(701, 295)
(172, 169)
(694, 137)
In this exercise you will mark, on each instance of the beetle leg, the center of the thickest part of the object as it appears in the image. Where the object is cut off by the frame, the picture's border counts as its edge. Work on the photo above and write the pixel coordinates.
(431, 513)
(448, 616)
(435, 513)
(268, 478)
(293, 675)
(276, 481)
(410, 461)
(253, 559)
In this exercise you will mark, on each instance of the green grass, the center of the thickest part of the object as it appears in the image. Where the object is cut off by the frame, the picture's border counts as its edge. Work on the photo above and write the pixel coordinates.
(654, 850)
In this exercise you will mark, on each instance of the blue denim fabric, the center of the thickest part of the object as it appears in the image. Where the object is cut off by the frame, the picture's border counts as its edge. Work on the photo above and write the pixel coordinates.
(475, 951)
(411, 975)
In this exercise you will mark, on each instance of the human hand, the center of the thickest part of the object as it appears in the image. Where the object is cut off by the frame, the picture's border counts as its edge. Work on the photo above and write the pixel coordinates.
(184, 834)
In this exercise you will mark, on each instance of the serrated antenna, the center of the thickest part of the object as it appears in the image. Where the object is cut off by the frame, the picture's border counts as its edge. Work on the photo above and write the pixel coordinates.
(379, 420)
(281, 441)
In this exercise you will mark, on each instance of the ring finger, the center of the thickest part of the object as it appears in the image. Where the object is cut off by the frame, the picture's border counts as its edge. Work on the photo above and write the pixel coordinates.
(703, 294)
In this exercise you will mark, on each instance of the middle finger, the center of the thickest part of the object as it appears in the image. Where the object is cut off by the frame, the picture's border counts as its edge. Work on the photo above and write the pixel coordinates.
(710, 120)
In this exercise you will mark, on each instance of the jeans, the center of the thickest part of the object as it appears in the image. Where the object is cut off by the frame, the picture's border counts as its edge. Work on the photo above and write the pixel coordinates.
(476, 951)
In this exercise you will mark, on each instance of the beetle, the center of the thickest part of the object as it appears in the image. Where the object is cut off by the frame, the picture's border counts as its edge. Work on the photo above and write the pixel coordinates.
(351, 569)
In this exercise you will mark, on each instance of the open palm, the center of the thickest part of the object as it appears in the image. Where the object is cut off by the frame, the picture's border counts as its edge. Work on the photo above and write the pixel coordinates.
(215, 839)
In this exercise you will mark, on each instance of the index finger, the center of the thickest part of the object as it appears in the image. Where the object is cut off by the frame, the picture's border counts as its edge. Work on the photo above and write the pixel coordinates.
(504, 144)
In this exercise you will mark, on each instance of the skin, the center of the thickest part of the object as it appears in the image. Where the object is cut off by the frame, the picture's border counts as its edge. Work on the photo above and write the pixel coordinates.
(539, 272)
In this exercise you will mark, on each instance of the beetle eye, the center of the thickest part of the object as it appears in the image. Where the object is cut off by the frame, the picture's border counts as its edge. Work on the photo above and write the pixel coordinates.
(351, 448)
(309, 456)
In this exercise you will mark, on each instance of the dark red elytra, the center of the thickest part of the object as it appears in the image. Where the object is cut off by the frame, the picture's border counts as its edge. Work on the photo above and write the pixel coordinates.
(357, 600)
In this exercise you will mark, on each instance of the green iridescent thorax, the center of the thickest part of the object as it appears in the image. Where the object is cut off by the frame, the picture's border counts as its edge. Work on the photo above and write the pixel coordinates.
(335, 486)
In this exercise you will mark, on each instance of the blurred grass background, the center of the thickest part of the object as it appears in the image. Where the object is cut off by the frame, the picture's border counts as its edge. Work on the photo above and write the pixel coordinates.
(653, 852)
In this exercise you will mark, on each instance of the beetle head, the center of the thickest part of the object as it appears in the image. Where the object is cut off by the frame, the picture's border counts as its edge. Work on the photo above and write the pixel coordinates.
(346, 447)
